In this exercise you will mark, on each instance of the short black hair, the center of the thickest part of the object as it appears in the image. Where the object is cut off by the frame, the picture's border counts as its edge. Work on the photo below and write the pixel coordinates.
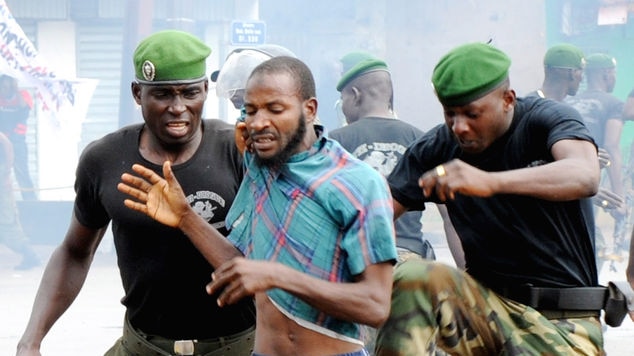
(297, 69)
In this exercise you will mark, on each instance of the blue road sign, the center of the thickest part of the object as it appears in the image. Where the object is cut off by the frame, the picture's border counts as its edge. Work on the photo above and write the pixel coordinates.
(248, 32)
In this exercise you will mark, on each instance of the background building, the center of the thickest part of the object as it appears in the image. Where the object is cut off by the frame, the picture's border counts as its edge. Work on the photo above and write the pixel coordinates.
(95, 39)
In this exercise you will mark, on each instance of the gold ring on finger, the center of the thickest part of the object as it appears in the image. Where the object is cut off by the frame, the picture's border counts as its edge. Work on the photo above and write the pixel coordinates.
(440, 170)
(604, 203)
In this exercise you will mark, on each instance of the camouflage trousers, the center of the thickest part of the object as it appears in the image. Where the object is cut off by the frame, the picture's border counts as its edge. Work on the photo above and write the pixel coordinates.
(435, 305)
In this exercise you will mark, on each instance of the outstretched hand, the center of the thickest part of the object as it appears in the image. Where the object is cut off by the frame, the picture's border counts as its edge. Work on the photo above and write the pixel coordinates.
(162, 199)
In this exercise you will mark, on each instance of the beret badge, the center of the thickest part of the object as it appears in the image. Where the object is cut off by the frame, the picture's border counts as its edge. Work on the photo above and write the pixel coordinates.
(170, 57)
(149, 72)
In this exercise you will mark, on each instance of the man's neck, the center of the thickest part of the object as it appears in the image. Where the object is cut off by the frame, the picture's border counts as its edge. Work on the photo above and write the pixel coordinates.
(553, 92)
(388, 114)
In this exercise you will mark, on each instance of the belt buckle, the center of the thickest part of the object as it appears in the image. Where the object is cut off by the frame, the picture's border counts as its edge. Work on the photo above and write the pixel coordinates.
(184, 347)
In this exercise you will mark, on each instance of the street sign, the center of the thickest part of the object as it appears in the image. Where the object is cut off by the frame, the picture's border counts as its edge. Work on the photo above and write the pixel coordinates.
(248, 32)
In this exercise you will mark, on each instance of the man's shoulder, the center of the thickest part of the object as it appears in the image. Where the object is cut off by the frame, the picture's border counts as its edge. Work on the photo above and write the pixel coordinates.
(342, 159)
(533, 94)
(373, 123)
(219, 141)
(121, 133)
(114, 140)
(537, 104)
(600, 100)
(398, 122)
(595, 94)
(338, 131)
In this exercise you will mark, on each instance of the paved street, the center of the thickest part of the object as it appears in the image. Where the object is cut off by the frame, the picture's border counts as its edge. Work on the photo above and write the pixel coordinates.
(93, 322)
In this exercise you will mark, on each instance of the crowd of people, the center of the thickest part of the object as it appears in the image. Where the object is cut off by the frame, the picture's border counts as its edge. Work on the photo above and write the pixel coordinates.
(274, 236)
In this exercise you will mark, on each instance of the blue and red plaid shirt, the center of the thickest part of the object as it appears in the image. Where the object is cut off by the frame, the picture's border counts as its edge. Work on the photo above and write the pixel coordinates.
(324, 213)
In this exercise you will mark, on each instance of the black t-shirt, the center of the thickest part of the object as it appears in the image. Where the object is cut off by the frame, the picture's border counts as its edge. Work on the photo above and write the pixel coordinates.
(163, 274)
(509, 239)
(596, 109)
(381, 142)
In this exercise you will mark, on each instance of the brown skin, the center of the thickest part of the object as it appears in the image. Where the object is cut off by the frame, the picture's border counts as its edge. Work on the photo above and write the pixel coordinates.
(561, 82)
(574, 173)
(173, 131)
(367, 95)
(175, 118)
(604, 80)
(273, 108)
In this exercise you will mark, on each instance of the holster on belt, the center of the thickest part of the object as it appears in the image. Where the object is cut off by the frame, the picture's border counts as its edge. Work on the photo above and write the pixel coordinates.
(619, 301)
(616, 300)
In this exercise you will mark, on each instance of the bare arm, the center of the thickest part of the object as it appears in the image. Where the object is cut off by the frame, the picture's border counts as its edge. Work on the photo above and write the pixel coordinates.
(366, 300)
(613, 129)
(61, 282)
(399, 209)
(574, 174)
(163, 200)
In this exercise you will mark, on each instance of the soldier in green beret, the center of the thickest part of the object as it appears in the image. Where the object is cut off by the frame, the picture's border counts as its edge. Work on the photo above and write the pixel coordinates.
(514, 174)
(602, 113)
(168, 311)
(311, 228)
(564, 65)
(375, 136)
(563, 72)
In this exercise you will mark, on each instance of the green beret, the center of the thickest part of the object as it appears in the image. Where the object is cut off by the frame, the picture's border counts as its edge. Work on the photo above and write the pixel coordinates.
(350, 59)
(170, 57)
(564, 56)
(367, 65)
(600, 61)
(469, 72)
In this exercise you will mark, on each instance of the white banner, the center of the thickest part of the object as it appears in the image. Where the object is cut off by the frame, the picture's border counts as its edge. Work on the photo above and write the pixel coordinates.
(21, 60)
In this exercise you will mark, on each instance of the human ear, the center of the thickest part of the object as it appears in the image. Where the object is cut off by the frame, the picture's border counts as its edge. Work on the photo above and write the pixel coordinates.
(356, 94)
(136, 92)
(310, 109)
(509, 99)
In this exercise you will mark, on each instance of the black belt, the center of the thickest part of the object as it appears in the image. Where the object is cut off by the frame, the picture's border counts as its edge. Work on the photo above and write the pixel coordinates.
(558, 299)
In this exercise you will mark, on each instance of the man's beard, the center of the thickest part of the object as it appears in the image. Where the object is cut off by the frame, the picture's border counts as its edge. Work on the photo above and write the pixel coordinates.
(279, 159)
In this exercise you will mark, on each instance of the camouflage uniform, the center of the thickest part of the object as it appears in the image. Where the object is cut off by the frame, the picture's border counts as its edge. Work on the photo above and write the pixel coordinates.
(437, 305)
